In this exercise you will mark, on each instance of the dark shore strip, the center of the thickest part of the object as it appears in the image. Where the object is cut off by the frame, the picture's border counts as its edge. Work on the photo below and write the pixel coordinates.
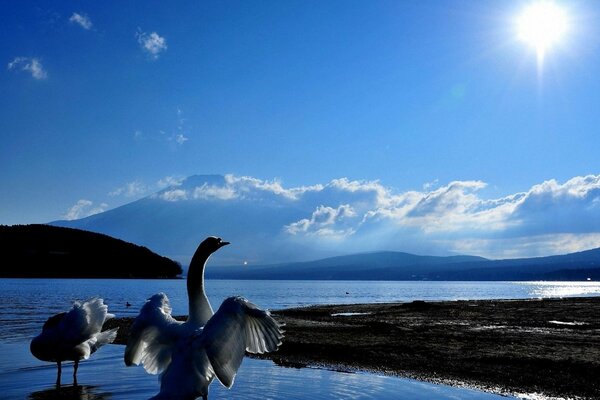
(549, 346)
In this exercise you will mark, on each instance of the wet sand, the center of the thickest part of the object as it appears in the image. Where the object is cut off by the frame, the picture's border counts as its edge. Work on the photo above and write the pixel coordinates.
(549, 346)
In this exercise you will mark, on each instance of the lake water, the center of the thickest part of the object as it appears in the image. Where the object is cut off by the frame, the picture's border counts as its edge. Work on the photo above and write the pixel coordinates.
(27, 303)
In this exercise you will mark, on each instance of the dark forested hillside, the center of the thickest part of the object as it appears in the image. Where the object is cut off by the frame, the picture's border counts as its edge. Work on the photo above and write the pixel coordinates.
(55, 252)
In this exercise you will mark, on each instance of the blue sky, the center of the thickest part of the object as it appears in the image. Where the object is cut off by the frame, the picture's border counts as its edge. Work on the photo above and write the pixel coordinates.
(105, 102)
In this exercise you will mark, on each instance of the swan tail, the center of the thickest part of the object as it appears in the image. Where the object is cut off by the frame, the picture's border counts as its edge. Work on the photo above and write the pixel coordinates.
(102, 338)
(90, 346)
(106, 337)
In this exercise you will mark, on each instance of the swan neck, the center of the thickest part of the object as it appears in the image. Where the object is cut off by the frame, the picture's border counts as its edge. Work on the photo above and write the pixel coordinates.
(200, 310)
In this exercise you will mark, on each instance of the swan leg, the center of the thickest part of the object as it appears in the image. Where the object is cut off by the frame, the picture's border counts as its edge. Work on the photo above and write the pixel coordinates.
(59, 367)
(75, 366)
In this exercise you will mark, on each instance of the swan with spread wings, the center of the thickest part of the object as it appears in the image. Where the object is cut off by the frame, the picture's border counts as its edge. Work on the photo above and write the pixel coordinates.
(190, 354)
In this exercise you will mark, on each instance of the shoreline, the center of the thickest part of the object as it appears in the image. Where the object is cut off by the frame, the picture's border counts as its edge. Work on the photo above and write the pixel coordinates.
(548, 346)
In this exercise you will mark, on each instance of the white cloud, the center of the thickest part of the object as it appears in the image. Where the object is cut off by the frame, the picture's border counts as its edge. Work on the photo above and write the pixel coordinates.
(30, 64)
(572, 207)
(82, 20)
(325, 222)
(246, 186)
(84, 208)
(430, 185)
(180, 138)
(173, 195)
(208, 192)
(549, 218)
(151, 43)
(456, 209)
(131, 189)
(138, 189)
(525, 246)
(168, 181)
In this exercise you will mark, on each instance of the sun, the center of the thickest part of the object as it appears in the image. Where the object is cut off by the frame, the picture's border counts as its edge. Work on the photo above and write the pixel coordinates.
(542, 25)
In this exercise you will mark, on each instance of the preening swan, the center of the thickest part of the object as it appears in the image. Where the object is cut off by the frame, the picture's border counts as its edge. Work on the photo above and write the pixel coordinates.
(190, 354)
(73, 335)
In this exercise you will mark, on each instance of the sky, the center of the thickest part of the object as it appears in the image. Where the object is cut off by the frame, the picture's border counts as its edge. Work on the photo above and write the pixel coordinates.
(106, 102)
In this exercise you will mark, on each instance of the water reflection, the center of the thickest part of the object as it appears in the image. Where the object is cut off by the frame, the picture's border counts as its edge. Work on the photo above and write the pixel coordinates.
(71, 393)
(563, 289)
(106, 377)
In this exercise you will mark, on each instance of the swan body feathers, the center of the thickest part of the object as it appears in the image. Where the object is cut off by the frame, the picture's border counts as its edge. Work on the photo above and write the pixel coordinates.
(190, 354)
(74, 335)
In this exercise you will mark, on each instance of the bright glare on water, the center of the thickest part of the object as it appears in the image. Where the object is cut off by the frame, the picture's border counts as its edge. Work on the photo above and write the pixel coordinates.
(564, 289)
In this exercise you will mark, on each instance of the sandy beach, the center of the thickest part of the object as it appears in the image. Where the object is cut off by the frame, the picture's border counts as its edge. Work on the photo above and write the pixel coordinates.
(549, 346)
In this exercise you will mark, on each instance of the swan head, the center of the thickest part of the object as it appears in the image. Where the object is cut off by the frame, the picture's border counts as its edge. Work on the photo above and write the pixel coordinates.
(212, 244)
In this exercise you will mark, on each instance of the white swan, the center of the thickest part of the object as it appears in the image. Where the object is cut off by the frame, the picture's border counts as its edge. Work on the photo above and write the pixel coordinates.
(190, 354)
(73, 335)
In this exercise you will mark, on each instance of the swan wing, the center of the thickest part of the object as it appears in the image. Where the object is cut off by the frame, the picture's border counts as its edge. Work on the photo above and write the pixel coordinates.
(238, 326)
(153, 336)
(82, 322)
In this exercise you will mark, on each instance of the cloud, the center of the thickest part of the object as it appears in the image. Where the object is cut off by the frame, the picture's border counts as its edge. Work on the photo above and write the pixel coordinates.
(131, 189)
(169, 181)
(82, 20)
(572, 207)
(137, 189)
(548, 218)
(249, 187)
(180, 138)
(245, 188)
(325, 222)
(525, 246)
(174, 136)
(208, 192)
(30, 64)
(551, 217)
(173, 195)
(84, 208)
(151, 43)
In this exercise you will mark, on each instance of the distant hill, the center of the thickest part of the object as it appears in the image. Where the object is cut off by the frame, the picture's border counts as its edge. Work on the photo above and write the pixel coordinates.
(46, 251)
(405, 266)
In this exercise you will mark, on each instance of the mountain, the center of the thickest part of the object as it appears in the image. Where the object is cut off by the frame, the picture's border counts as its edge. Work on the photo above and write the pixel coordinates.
(276, 232)
(54, 252)
(173, 221)
(404, 266)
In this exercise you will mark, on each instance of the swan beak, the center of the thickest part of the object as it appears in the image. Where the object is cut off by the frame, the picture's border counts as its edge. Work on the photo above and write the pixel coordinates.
(223, 244)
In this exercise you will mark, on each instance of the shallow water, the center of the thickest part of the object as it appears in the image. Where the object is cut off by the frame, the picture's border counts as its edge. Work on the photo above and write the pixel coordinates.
(29, 302)
(106, 377)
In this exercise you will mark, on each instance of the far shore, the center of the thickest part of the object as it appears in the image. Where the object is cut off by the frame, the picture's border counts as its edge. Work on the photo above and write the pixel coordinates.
(549, 346)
